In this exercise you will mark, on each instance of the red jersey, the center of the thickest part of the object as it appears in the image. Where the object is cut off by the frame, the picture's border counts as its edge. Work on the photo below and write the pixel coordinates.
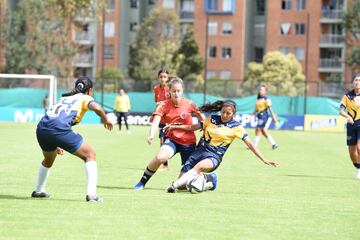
(181, 114)
(161, 93)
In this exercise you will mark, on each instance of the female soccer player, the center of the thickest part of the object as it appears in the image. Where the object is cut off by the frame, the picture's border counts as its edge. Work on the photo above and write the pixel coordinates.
(351, 103)
(54, 133)
(219, 133)
(262, 109)
(161, 93)
(176, 110)
(122, 108)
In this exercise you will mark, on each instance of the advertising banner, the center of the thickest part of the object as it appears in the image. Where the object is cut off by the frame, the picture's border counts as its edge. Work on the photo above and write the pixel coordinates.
(325, 123)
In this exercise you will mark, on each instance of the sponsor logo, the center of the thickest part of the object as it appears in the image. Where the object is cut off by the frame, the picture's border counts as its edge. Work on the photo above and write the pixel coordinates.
(324, 123)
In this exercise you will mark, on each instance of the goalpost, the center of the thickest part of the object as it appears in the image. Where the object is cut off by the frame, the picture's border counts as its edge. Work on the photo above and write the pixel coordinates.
(51, 78)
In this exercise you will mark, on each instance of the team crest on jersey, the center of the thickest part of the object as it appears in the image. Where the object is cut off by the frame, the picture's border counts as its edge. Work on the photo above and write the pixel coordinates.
(183, 115)
(167, 95)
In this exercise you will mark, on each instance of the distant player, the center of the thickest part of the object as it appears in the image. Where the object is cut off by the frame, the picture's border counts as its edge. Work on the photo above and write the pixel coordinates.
(176, 110)
(161, 93)
(262, 110)
(54, 133)
(122, 107)
(351, 103)
(219, 131)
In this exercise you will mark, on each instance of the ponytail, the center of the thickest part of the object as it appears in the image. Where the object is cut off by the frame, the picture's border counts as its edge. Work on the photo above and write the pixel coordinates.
(82, 85)
(217, 106)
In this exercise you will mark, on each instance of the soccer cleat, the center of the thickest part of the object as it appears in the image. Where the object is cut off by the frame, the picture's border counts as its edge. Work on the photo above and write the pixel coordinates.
(139, 186)
(275, 146)
(171, 189)
(94, 198)
(214, 180)
(39, 194)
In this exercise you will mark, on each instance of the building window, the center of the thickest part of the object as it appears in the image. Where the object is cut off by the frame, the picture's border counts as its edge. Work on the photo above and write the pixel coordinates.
(151, 2)
(285, 28)
(133, 26)
(286, 4)
(226, 52)
(109, 30)
(210, 74)
(284, 50)
(187, 6)
(260, 7)
(225, 75)
(133, 3)
(109, 51)
(212, 5)
(212, 52)
(227, 5)
(169, 3)
(227, 28)
(300, 4)
(259, 29)
(258, 54)
(299, 28)
(299, 53)
(110, 6)
(212, 28)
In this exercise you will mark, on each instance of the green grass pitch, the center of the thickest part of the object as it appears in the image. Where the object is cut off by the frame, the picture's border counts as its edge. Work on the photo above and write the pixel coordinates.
(312, 194)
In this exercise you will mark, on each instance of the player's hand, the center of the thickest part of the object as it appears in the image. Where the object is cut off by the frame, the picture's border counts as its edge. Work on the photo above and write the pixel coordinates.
(168, 127)
(350, 120)
(108, 125)
(149, 139)
(59, 151)
(271, 163)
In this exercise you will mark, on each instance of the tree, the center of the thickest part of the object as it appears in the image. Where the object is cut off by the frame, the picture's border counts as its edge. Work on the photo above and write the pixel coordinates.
(155, 45)
(38, 36)
(191, 60)
(351, 22)
(282, 74)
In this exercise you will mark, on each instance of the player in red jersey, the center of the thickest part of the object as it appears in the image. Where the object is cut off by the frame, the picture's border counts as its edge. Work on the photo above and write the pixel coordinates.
(161, 93)
(176, 110)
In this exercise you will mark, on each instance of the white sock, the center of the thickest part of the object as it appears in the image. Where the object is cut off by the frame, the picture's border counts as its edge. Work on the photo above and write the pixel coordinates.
(91, 177)
(185, 178)
(43, 175)
(271, 140)
(256, 140)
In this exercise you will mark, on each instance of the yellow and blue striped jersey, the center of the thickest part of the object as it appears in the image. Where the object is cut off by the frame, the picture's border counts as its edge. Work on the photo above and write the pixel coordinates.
(218, 136)
(68, 111)
(262, 104)
(351, 102)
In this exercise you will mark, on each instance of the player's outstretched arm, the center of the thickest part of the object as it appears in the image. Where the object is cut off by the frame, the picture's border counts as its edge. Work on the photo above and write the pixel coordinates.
(153, 128)
(173, 126)
(257, 152)
(101, 113)
(273, 115)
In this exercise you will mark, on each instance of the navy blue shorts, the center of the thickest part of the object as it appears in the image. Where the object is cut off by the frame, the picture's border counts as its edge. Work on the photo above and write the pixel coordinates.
(50, 139)
(161, 132)
(262, 120)
(352, 134)
(184, 150)
(201, 154)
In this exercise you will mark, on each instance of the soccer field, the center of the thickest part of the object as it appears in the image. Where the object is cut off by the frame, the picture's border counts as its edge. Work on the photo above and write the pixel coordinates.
(312, 194)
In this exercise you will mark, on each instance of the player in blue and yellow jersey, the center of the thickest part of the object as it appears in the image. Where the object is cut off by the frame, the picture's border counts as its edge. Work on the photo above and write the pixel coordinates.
(350, 109)
(54, 134)
(263, 110)
(219, 131)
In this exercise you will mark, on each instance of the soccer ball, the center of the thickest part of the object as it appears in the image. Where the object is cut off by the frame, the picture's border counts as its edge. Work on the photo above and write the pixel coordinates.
(196, 185)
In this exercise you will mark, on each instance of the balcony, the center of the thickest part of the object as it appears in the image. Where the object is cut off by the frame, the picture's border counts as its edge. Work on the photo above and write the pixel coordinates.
(83, 60)
(331, 65)
(84, 37)
(332, 16)
(186, 15)
(330, 89)
(332, 40)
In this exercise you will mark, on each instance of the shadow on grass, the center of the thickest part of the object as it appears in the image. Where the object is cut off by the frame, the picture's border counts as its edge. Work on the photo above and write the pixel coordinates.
(14, 197)
(314, 176)
(127, 188)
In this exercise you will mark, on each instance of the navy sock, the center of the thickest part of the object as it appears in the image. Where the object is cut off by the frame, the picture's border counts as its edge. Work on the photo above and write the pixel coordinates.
(208, 177)
(357, 165)
(146, 176)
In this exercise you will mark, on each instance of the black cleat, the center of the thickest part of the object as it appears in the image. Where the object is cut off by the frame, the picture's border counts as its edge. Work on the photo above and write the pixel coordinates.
(39, 194)
(94, 198)
(171, 189)
(275, 146)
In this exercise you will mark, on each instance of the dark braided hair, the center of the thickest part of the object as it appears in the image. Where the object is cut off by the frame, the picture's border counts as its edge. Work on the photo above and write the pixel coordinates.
(217, 106)
(82, 85)
(163, 70)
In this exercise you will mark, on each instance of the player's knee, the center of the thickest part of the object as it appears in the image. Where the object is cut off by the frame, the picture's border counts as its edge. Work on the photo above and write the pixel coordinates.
(161, 158)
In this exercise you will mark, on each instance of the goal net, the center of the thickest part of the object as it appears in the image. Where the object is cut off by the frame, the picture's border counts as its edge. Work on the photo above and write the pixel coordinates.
(25, 97)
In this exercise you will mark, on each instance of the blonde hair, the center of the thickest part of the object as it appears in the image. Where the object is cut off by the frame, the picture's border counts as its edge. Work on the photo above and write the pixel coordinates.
(175, 80)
